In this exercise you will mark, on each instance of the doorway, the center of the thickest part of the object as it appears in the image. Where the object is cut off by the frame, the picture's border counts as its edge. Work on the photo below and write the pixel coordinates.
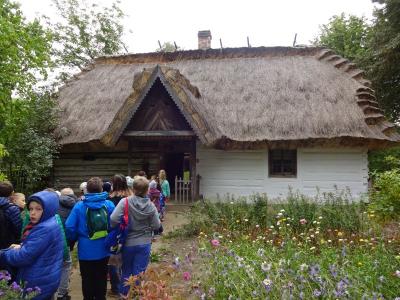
(174, 167)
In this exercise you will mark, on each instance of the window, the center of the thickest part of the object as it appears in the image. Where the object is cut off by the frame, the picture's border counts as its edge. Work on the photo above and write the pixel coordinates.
(282, 163)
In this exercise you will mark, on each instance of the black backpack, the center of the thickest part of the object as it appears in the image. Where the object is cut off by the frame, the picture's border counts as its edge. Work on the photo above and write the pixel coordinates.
(7, 230)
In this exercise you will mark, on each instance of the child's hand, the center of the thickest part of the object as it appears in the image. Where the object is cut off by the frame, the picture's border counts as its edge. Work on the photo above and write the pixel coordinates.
(15, 246)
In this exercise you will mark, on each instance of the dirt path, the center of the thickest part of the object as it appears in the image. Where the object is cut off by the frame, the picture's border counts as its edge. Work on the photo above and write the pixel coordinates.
(173, 220)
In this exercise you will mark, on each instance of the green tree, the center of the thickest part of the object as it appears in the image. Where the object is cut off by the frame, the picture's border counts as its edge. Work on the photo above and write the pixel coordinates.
(25, 58)
(347, 35)
(28, 136)
(3, 153)
(24, 52)
(384, 55)
(84, 33)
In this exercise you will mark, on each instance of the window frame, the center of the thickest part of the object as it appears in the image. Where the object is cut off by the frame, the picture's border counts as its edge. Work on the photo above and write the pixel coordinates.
(282, 174)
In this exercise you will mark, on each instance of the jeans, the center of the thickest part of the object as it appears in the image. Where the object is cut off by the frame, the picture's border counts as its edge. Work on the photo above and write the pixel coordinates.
(134, 261)
(64, 282)
(115, 274)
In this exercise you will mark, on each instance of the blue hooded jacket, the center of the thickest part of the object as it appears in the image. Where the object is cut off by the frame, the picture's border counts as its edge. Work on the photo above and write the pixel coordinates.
(76, 227)
(39, 260)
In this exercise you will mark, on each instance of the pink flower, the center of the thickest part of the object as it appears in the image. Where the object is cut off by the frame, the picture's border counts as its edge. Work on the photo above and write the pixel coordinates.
(186, 276)
(215, 243)
(303, 221)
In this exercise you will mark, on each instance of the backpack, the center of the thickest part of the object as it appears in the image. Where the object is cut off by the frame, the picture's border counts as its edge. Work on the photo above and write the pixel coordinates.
(97, 222)
(7, 231)
(116, 239)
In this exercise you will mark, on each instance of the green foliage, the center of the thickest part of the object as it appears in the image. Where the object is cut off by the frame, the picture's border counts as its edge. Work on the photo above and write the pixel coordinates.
(330, 210)
(24, 52)
(253, 269)
(347, 35)
(27, 135)
(383, 160)
(385, 200)
(3, 153)
(384, 55)
(85, 32)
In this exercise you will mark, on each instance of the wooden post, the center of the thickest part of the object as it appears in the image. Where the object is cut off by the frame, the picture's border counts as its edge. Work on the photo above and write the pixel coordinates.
(193, 174)
(129, 157)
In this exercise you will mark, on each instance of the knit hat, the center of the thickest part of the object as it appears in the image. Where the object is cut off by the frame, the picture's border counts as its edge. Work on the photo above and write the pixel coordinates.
(153, 184)
(82, 187)
(129, 181)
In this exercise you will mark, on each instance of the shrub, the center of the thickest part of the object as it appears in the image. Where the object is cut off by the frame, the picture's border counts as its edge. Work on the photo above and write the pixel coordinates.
(385, 197)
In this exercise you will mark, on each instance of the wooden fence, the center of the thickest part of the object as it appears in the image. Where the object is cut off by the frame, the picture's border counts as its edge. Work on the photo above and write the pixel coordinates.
(183, 190)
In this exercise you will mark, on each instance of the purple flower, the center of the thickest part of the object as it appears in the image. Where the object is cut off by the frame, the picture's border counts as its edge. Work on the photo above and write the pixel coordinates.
(16, 287)
(37, 289)
(332, 270)
(314, 270)
(317, 293)
(267, 284)
(29, 290)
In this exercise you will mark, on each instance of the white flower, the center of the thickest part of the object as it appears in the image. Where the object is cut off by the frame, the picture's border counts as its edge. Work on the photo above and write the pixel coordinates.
(303, 267)
(231, 202)
(397, 273)
(320, 217)
(257, 226)
(312, 248)
(260, 252)
(266, 267)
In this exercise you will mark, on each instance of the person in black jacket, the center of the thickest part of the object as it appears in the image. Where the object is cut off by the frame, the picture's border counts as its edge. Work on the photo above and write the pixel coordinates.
(10, 217)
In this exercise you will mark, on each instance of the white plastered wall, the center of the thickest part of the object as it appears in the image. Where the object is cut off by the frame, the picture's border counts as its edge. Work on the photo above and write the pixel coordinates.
(243, 173)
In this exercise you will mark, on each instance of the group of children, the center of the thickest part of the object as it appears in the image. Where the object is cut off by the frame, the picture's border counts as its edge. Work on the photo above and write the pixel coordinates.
(36, 240)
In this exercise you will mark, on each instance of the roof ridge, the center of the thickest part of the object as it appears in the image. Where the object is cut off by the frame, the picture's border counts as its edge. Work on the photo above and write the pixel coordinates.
(241, 52)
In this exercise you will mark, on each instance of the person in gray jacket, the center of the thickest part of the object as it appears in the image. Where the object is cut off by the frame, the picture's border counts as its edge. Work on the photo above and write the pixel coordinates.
(143, 220)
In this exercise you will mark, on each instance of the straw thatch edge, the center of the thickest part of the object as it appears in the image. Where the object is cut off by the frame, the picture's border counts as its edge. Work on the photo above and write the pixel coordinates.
(177, 86)
(365, 96)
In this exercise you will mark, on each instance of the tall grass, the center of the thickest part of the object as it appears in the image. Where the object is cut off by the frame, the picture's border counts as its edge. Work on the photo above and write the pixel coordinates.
(332, 211)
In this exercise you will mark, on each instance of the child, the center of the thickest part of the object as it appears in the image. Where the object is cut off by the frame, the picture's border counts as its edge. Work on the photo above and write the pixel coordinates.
(88, 224)
(164, 185)
(40, 255)
(19, 200)
(143, 219)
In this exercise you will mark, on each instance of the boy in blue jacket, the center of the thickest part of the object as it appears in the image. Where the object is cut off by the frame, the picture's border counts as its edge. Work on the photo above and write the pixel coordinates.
(88, 223)
(40, 255)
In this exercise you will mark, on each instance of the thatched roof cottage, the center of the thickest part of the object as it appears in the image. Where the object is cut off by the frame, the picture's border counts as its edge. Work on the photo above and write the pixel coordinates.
(238, 120)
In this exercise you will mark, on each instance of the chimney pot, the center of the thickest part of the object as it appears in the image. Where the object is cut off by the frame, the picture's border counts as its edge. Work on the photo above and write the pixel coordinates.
(204, 39)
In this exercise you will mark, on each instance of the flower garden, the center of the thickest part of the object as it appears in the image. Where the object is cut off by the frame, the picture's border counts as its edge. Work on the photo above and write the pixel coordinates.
(323, 248)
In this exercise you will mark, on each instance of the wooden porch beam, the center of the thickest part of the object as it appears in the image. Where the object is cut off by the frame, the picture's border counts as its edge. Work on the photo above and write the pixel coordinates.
(159, 133)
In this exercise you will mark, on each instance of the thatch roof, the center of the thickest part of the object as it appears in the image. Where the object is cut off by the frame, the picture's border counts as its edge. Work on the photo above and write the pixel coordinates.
(241, 96)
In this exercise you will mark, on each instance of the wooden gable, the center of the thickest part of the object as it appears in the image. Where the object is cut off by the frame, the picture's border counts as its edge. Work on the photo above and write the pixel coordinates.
(158, 112)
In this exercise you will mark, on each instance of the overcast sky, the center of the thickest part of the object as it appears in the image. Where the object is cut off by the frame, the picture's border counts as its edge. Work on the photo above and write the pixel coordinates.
(267, 23)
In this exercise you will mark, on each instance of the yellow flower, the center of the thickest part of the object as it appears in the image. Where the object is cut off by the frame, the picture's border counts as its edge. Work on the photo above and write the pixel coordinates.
(340, 233)
(360, 263)
(322, 241)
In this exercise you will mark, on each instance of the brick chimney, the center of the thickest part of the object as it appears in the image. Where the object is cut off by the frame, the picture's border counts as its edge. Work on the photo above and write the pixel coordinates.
(204, 39)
